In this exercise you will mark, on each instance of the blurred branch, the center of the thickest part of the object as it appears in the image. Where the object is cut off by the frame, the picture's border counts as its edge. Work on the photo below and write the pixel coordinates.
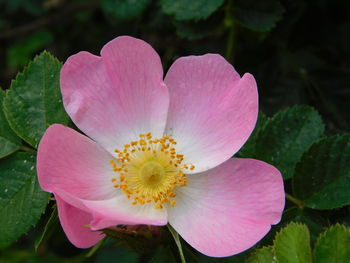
(177, 241)
(27, 149)
(232, 31)
(62, 13)
(294, 200)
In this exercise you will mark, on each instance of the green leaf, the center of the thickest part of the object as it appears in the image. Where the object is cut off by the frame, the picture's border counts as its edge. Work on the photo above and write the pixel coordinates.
(248, 149)
(124, 9)
(286, 136)
(258, 15)
(189, 9)
(9, 141)
(21, 200)
(333, 245)
(262, 255)
(34, 100)
(292, 244)
(322, 177)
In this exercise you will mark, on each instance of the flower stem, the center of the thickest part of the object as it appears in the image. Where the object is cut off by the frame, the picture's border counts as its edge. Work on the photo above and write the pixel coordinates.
(294, 200)
(177, 241)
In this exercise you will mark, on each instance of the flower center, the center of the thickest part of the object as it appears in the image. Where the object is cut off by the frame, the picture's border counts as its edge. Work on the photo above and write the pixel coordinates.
(152, 174)
(148, 170)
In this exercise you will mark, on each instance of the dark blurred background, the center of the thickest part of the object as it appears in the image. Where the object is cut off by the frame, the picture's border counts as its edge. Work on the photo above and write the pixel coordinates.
(298, 51)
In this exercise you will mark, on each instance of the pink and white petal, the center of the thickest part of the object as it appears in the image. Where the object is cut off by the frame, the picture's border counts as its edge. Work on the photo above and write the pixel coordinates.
(118, 96)
(70, 161)
(228, 209)
(212, 110)
(119, 210)
(73, 222)
(116, 211)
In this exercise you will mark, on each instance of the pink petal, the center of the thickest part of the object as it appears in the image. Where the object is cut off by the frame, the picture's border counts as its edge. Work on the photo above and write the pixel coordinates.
(70, 161)
(119, 210)
(228, 209)
(212, 110)
(78, 170)
(116, 97)
(116, 211)
(73, 221)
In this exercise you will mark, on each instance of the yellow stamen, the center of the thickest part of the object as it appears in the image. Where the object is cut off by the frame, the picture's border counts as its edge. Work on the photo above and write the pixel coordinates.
(148, 170)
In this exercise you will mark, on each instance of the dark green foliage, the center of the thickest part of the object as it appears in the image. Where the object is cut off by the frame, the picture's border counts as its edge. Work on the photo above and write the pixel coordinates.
(248, 149)
(262, 255)
(163, 255)
(286, 136)
(312, 219)
(124, 9)
(9, 141)
(21, 200)
(189, 10)
(48, 229)
(34, 100)
(258, 15)
(322, 177)
(119, 254)
(18, 55)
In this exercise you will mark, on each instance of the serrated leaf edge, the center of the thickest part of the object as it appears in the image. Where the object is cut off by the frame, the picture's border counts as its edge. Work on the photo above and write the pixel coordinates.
(19, 75)
(285, 229)
(331, 228)
(256, 251)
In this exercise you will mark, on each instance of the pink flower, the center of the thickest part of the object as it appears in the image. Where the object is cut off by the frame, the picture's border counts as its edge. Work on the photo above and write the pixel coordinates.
(159, 151)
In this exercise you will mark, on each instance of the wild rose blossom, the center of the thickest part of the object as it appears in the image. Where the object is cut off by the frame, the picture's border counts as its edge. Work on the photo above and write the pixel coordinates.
(159, 151)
